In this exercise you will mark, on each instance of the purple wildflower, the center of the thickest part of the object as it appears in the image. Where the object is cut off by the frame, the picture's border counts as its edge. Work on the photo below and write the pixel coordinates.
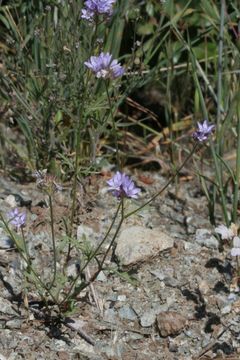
(16, 218)
(236, 246)
(226, 233)
(122, 186)
(97, 7)
(104, 67)
(204, 130)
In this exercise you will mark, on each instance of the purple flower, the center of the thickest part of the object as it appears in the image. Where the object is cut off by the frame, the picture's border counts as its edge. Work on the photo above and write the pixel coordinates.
(104, 67)
(122, 186)
(16, 218)
(204, 130)
(226, 233)
(236, 246)
(97, 7)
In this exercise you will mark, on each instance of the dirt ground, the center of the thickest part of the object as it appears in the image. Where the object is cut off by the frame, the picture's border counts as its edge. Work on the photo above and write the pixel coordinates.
(178, 304)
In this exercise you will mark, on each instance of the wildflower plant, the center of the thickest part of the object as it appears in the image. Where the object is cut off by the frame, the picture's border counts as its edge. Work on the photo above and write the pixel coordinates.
(94, 8)
(74, 107)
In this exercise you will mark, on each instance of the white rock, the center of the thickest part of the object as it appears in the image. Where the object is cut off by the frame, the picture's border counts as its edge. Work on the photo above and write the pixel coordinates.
(137, 243)
(10, 200)
(148, 318)
(205, 238)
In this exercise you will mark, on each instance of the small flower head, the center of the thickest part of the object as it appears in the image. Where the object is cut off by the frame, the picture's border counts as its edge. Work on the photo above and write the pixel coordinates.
(95, 8)
(46, 182)
(226, 233)
(236, 246)
(104, 66)
(16, 218)
(122, 186)
(204, 130)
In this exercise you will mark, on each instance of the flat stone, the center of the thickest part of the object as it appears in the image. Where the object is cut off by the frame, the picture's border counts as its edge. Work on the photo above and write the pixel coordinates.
(148, 318)
(137, 243)
(110, 316)
(126, 312)
(205, 238)
(170, 323)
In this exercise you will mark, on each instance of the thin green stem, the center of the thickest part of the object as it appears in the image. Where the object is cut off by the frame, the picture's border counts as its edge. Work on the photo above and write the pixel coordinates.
(237, 176)
(220, 183)
(96, 251)
(113, 125)
(103, 240)
(77, 151)
(166, 185)
(100, 267)
(29, 264)
(220, 58)
(53, 242)
(25, 244)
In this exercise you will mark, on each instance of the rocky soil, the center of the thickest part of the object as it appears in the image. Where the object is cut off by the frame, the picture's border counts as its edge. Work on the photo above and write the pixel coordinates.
(168, 291)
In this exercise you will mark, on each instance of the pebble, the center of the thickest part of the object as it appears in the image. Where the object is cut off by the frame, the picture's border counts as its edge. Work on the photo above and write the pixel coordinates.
(226, 309)
(204, 237)
(10, 200)
(170, 323)
(137, 243)
(101, 277)
(110, 315)
(148, 318)
(14, 324)
(121, 298)
(170, 281)
(126, 312)
(5, 241)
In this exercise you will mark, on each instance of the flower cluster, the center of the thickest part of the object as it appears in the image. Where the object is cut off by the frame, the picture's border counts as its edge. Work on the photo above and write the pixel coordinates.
(17, 219)
(230, 234)
(122, 186)
(204, 130)
(104, 66)
(94, 8)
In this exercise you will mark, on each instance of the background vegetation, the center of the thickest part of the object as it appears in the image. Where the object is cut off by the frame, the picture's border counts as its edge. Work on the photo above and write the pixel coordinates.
(182, 61)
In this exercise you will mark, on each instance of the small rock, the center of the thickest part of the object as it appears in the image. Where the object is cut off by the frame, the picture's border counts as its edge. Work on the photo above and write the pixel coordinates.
(110, 316)
(170, 281)
(203, 287)
(126, 312)
(137, 243)
(63, 355)
(148, 318)
(170, 323)
(205, 238)
(6, 307)
(159, 274)
(10, 200)
(121, 298)
(5, 241)
(14, 324)
(226, 309)
(101, 277)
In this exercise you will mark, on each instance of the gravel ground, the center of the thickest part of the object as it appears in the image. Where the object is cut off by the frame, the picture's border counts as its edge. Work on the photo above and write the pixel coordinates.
(180, 302)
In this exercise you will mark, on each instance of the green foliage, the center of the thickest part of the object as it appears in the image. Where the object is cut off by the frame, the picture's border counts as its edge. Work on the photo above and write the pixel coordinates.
(171, 53)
